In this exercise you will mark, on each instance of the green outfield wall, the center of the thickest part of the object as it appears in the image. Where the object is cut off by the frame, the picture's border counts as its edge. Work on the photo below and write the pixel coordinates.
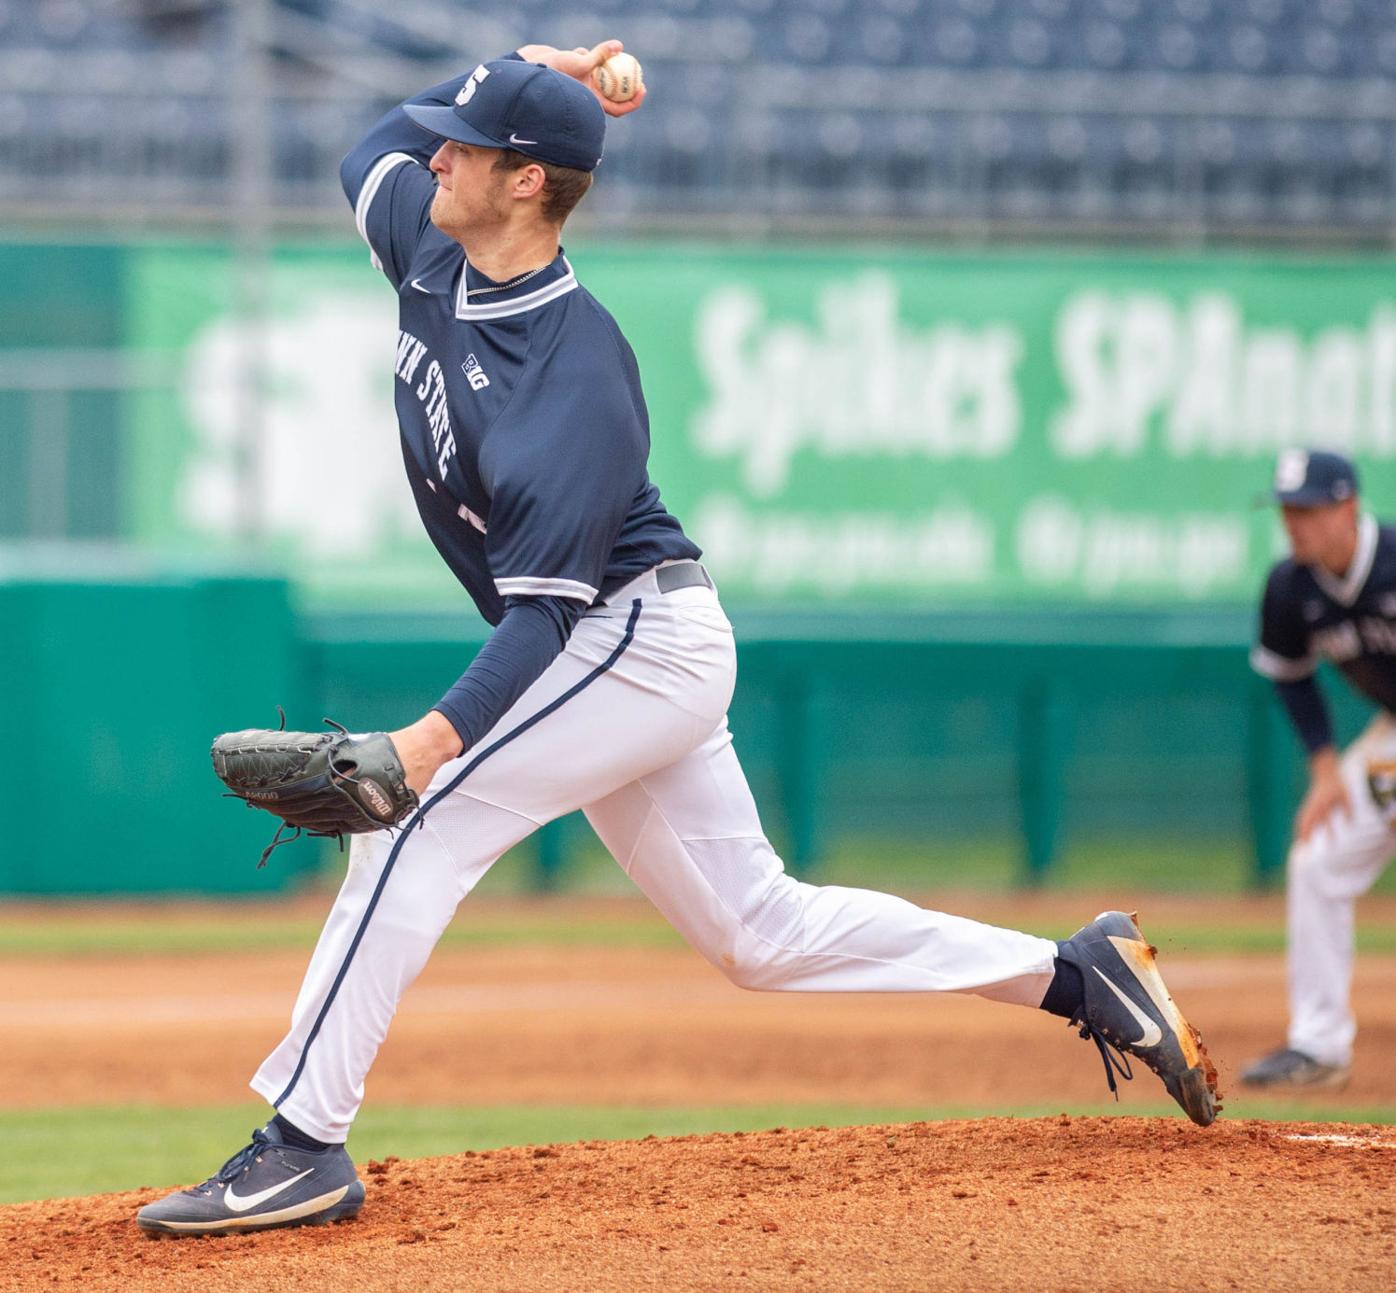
(116, 677)
(931, 730)
(923, 730)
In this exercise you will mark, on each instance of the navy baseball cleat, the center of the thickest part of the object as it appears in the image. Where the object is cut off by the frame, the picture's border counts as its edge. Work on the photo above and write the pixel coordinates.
(1289, 1068)
(264, 1185)
(1127, 1008)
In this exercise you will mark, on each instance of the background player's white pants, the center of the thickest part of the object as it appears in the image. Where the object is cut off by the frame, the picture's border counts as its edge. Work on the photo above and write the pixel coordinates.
(1328, 872)
(629, 724)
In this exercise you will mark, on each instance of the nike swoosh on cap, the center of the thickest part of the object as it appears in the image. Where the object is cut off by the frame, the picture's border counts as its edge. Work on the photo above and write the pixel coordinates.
(240, 1203)
(1152, 1033)
(514, 139)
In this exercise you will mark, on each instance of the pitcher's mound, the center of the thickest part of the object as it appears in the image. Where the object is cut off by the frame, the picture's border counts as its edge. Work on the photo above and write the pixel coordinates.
(999, 1203)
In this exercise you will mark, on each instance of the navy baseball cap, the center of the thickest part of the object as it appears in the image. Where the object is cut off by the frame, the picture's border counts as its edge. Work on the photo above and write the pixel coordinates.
(1313, 477)
(524, 106)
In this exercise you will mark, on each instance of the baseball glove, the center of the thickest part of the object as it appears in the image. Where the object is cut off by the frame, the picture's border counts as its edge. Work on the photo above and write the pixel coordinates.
(319, 783)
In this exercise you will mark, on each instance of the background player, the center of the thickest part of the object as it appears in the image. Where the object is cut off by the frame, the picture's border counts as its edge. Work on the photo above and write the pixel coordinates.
(605, 683)
(1333, 598)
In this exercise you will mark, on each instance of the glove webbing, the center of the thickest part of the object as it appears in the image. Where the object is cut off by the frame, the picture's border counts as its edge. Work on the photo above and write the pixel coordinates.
(277, 840)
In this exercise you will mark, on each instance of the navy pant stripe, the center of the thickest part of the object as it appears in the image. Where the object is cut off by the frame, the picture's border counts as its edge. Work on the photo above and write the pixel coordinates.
(455, 781)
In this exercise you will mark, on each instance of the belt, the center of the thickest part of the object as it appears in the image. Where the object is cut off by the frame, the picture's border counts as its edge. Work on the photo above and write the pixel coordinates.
(682, 574)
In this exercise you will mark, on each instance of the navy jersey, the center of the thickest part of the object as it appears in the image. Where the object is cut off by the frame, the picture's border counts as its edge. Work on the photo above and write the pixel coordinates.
(1309, 615)
(524, 427)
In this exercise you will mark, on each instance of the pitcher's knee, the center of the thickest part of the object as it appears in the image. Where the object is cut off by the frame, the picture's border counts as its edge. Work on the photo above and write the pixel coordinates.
(762, 942)
(755, 968)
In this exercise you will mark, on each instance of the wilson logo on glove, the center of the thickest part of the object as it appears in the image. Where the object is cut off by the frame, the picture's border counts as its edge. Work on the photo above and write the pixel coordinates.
(378, 802)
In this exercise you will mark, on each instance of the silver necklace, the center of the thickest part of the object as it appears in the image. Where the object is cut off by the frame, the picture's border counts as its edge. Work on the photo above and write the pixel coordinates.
(504, 287)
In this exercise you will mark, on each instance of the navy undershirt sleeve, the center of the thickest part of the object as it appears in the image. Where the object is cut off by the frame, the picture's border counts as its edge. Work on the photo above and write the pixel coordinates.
(528, 639)
(1304, 703)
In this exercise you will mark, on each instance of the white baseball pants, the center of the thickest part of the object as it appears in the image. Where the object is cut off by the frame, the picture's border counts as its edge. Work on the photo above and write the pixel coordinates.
(628, 724)
(1328, 872)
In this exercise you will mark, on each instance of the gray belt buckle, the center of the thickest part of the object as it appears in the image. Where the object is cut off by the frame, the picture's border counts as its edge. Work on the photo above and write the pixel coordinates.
(682, 574)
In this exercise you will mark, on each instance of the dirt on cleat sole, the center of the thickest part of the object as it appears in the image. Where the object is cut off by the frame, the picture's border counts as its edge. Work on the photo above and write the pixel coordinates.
(1199, 1092)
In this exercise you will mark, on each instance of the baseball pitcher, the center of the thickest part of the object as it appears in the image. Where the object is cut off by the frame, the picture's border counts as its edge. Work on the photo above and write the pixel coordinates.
(604, 685)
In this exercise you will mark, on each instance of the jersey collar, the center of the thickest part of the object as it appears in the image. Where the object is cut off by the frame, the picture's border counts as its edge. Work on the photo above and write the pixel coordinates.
(481, 306)
(1346, 589)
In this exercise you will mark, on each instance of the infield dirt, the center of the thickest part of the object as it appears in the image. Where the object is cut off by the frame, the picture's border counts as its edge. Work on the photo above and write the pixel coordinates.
(1058, 1203)
(994, 1203)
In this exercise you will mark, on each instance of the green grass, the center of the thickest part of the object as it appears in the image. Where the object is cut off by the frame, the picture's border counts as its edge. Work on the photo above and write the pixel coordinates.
(84, 1150)
(1199, 865)
(1197, 938)
(52, 1153)
(904, 866)
(1126, 870)
(180, 931)
(63, 932)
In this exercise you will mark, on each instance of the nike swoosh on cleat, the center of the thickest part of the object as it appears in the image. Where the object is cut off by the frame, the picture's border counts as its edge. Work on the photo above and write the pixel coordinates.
(1152, 1034)
(241, 1203)
(514, 139)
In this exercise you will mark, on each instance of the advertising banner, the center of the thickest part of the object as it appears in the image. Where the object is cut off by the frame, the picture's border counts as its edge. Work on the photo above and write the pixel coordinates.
(897, 427)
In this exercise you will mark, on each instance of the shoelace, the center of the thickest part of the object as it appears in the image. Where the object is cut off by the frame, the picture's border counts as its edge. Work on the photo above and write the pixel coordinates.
(280, 838)
(1116, 1063)
(230, 1170)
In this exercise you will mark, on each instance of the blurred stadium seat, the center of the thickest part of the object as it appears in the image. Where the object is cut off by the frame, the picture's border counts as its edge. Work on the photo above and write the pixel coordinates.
(1233, 116)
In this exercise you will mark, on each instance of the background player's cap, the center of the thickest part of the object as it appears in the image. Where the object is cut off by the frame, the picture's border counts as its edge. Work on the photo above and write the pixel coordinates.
(524, 106)
(1312, 477)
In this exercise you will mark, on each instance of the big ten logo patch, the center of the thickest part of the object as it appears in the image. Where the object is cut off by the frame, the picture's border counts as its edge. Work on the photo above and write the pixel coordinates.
(474, 374)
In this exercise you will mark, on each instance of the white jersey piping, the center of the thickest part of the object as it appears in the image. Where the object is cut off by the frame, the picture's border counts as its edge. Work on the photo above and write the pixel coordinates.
(1278, 668)
(533, 586)
(519, 304)
(373, 181)
(1346, 589)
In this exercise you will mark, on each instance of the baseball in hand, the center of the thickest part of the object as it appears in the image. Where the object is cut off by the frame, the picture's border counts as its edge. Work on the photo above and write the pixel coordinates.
(619, 78)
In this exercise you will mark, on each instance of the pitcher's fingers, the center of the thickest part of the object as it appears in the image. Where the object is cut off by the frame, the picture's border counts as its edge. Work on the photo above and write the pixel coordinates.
(602, 52)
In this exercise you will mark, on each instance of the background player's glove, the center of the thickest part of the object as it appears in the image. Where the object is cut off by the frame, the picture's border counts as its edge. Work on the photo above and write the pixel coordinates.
(321, 783)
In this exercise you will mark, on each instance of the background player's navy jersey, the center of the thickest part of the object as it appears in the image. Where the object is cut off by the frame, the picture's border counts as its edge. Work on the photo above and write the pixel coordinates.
(524, 427)
(1309, 615)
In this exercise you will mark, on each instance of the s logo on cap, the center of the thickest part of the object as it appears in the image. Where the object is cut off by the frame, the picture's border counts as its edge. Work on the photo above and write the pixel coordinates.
(467, 91)
(1291, 469)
